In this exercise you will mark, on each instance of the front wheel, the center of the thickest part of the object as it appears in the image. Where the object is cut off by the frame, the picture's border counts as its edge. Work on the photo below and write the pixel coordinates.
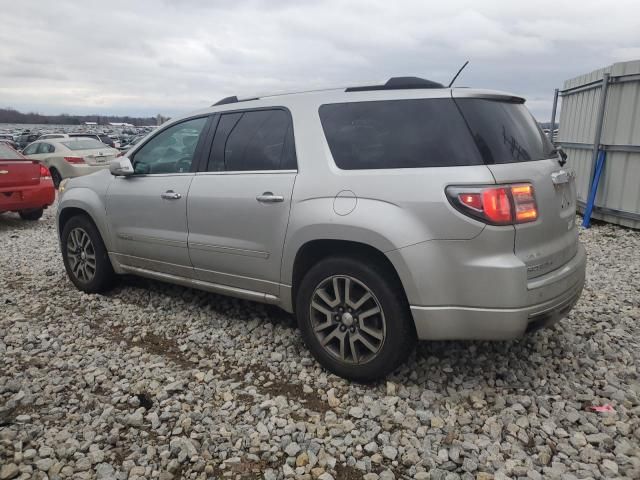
(85, 256)
(354, 318)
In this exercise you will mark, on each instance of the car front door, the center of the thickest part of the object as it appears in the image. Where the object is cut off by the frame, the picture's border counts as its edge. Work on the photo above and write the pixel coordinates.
(238, 206)
(147, 211)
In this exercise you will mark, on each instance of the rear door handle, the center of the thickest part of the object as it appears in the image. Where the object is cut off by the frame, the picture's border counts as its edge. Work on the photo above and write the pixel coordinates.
(269, 197)
(170, 195)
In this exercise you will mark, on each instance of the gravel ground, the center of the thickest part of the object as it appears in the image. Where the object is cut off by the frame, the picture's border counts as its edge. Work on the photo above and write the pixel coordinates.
(157, 381)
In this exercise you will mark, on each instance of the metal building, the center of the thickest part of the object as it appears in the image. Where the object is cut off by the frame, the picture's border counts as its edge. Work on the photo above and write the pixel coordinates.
(600, 132)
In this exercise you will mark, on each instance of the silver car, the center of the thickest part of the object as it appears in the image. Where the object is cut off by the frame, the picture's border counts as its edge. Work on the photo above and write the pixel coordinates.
(378, 215)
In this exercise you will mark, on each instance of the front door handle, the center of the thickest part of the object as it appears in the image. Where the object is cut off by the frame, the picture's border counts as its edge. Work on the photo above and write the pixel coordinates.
(170, 195)
(269, 197)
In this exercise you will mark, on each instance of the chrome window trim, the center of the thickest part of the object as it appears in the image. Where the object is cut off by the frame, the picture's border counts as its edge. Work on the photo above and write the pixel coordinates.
(252, 172)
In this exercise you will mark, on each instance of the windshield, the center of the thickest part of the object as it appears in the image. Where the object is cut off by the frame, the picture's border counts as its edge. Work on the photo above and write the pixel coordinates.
(84, 144)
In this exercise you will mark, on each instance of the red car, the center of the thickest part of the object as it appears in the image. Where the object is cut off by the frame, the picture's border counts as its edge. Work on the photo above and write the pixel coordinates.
(25, 185)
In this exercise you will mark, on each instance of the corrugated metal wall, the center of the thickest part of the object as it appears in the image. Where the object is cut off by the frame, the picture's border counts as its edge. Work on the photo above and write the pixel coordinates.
(619, 188)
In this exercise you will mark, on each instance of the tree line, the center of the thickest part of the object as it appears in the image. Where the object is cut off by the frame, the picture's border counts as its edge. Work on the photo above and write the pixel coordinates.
(10, 115)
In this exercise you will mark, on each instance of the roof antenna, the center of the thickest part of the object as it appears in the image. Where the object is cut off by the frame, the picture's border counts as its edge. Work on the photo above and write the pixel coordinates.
(459, 71)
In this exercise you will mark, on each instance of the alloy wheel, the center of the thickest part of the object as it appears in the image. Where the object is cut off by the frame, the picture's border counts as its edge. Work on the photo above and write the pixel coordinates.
(347, 319)
(81, 255)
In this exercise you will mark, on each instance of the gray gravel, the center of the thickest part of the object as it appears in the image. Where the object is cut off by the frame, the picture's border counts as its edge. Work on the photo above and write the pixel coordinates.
(157, 381)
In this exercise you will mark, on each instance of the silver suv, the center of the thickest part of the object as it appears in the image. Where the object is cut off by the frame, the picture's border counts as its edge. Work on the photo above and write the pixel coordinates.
(378, 215)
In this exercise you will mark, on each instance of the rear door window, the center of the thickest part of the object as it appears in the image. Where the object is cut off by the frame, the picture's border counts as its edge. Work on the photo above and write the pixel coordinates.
(504, 132)
(398, 134)
(253, 140)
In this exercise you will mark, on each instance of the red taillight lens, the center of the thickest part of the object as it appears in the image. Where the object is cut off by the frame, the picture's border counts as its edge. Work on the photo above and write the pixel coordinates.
(44, 173)
(471, 200)
(503, 205)
(74, 160)
(496, 205)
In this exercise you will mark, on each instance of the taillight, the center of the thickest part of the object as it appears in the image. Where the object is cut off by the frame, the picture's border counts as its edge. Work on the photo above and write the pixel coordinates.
(44, 173)
(525, 203)
(121, 154)
(74, 160)
(498, 205)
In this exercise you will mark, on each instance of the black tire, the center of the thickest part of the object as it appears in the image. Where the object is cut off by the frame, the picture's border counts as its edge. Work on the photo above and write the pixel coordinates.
(399, 336)
(32, 215)
(55, 177)
(103, 275)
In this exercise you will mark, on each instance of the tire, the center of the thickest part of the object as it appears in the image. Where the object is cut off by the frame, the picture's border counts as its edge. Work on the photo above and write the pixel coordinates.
(393, 326)
(32, 215)
(55, 177)
(92, 271)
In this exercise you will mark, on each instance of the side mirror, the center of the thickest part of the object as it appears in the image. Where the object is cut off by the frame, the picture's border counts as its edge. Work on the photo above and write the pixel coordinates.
(121, 167)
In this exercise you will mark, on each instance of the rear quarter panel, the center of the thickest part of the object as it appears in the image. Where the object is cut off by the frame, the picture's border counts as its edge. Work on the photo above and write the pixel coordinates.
(386, 209)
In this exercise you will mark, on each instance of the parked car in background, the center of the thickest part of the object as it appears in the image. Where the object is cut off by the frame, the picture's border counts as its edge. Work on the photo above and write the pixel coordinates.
(71, 157)
(25, 185)
(9, 142)
(26, 138)
(106, 139)
(130, 142)
(378, 215)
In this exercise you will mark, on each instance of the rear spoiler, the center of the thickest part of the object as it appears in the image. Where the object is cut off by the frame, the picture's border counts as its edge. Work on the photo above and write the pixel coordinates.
(486, 95)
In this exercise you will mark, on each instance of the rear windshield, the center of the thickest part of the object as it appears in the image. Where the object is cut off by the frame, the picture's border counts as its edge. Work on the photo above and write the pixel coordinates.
(398, 134)
(84, 144)
(504, 132)
(8, 153)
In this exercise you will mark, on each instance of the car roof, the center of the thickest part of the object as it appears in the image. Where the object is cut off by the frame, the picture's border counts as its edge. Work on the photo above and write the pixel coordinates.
(398, 88)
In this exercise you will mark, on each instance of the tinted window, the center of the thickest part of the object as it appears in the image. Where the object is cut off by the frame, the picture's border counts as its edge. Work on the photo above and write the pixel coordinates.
(259, 140)
(171, 150)
(504, 132)
(398, 134)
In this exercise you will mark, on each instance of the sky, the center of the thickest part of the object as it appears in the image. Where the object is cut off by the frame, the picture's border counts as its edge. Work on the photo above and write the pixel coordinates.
(144, 57)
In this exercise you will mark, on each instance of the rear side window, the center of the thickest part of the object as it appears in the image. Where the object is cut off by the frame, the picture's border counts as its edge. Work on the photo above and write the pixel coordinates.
(255, 140)
(398, 134)
(504, 132)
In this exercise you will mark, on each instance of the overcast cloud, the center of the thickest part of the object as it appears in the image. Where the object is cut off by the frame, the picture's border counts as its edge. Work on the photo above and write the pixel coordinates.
(142, 57)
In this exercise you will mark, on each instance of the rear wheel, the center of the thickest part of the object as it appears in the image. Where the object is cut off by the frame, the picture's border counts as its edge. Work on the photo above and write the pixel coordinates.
(56, 178)
(33, 214)
(85, 256)
(354, 319)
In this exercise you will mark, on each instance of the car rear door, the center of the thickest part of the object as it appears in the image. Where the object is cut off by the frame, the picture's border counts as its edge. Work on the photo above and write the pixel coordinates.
(148, 210)
(238, 206)
(516, 151)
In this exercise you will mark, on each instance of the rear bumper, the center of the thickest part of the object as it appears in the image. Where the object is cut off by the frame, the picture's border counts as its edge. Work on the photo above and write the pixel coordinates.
(27, 198)
(547, 299)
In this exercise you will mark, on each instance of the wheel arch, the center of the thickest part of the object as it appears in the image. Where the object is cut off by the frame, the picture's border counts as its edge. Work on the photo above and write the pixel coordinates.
(313, 251)
(91, 207)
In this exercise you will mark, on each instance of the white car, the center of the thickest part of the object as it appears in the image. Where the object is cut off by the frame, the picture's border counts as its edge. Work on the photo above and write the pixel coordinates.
(70, 157)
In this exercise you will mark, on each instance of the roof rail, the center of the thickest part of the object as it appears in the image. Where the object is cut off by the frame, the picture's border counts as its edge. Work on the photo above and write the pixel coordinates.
(225, 100)
(399, 83)
(233, 99)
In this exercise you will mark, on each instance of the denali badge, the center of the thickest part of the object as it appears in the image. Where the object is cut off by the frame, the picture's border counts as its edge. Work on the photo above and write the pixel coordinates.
(539, 266)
